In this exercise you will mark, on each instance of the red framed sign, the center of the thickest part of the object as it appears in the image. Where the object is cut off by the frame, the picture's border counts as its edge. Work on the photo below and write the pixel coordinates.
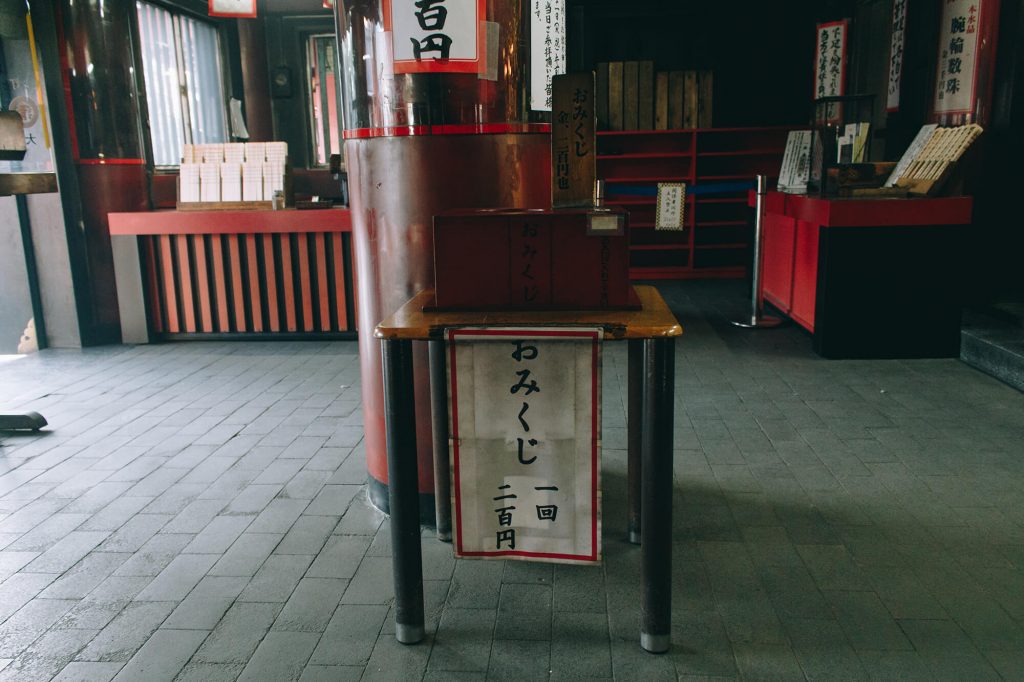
(525, 408)
(830, 59)
(243, 9)
(436, 36)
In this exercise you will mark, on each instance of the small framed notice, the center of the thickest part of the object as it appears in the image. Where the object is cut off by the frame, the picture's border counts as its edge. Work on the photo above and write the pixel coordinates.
(671, 210)
(525, 443)
(243, 9)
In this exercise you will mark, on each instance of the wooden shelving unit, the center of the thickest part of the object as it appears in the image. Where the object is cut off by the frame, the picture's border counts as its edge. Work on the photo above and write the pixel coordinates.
(718, 165)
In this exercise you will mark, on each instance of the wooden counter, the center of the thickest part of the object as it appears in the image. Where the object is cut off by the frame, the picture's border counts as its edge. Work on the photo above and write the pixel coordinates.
(867, 277)
(234, 273)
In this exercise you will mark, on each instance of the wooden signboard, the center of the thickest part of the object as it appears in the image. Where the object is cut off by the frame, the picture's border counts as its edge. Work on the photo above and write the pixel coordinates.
(525, 443)
(661, 101)
(645, 88)
(573, 141)
(630, 94)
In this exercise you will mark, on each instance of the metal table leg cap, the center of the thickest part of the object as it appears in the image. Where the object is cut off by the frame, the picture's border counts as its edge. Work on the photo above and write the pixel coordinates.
(634, 537)
(656, 644)
(408, 634)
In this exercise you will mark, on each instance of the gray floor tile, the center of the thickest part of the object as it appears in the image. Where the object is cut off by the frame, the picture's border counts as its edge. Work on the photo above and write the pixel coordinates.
(163, 655)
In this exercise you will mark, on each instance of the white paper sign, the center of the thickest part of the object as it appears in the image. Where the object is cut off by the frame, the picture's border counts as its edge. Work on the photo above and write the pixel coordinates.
(435, 36)
(525, 443)
(919, 142)
(796, 163)
(956, 84)
(899, 29)
(830, 59)
(232, 8)
(670, 210)
(547, 49)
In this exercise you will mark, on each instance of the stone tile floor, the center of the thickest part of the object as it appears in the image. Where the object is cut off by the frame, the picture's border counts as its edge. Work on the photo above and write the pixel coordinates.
(197, 512)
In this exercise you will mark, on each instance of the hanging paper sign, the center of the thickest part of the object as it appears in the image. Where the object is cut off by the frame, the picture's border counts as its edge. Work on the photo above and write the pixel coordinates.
(899, 29)
(525, 443)
(957, 82)
(670, 209)
(245, 9)
(547, 49)
(830, 59)
(436, 36)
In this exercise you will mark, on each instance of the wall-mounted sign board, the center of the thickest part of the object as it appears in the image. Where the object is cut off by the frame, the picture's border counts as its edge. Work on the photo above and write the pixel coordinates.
(525, 408)
(670, 210)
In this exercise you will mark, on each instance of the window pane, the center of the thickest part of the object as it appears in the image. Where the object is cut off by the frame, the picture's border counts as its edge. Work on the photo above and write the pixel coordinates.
(200, 48)
(325, 98)
(160, 68)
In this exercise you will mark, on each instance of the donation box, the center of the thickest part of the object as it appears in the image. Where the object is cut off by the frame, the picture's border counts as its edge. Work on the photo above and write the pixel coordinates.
(532, 260)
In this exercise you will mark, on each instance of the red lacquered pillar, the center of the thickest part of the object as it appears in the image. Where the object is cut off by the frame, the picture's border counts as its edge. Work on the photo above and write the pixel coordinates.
(418, 143)
(106, 139)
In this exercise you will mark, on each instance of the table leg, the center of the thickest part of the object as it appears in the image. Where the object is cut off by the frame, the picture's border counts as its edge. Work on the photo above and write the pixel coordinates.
(634, 432)
(403, 489)
(439, 422)
(656, 507)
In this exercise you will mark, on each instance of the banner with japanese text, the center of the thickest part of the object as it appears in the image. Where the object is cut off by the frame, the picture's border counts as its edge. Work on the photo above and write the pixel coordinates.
(436, 36)
(830, 59)
(547, 49)
(896, 44)
(525, 443)
(956, 84)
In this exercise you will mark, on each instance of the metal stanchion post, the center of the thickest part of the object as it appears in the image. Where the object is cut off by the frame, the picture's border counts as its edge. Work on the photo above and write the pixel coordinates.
(757, 319)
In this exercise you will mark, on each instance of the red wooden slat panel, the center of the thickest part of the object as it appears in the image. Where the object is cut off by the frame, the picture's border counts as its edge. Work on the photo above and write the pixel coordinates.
(254, 283)
(169, 290)
(268, 260)
(156, 317)
(321, 280)
(289, 285)
(339, 281)
(202, 284)
(305, 283)
(185, 283)
(235, 265)
(220, 285)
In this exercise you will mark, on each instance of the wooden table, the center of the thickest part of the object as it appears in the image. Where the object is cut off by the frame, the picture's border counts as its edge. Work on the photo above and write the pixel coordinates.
(651, 333)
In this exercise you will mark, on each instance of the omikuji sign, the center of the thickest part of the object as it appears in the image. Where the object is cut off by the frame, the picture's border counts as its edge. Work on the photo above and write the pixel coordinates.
(436, 36)
(525, 449)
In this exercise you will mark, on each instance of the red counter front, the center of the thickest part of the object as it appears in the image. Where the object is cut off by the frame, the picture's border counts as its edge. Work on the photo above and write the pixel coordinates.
(868, 277)
(280, 273)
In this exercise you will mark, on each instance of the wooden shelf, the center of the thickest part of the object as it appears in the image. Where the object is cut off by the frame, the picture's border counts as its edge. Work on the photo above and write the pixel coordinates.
(685, 178)
(660, 247)
(651, 155)
(747, 152)
(713, 155)
(721, 223)
(718, 247)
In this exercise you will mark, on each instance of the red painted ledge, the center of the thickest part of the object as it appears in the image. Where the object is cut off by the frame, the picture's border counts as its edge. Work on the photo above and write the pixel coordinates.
(230, 222)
